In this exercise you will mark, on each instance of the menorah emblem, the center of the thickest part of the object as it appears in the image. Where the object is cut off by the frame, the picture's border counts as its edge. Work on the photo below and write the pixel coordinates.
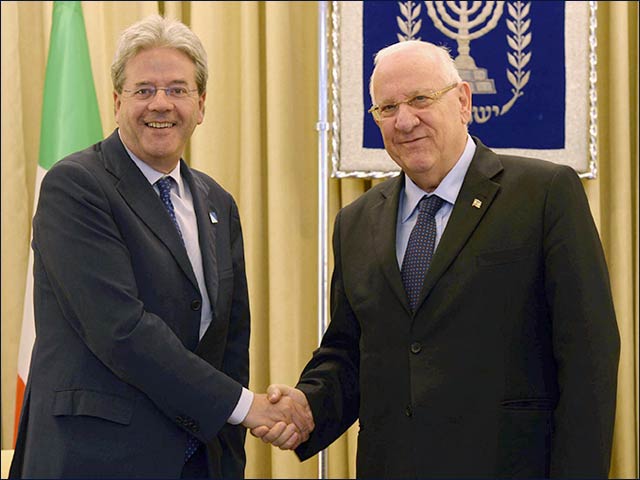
(470, 17)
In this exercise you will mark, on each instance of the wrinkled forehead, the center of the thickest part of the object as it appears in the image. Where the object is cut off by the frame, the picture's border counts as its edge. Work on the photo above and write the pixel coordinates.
(406, 71)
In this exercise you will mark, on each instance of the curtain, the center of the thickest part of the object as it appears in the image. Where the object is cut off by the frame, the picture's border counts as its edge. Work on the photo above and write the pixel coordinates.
(259, 141)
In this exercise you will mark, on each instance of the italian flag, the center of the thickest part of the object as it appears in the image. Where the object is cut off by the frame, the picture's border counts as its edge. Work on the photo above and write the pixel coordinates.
(70, 122)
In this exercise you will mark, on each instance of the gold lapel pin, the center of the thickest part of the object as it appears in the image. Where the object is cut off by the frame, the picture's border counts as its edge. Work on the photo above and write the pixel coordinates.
(476, 203)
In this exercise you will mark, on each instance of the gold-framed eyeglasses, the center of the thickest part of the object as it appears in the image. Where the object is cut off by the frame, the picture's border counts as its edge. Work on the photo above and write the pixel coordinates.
(420, 101)
(148, 92)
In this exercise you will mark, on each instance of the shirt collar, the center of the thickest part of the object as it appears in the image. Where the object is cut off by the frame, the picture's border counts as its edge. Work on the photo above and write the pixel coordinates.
(449, 187)
(153, 175)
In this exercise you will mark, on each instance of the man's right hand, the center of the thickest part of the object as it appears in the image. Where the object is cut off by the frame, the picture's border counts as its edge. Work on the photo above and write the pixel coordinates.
(281, 435)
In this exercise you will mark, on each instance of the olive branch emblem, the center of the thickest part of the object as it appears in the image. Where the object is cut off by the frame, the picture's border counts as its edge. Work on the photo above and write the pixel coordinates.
(518, 58)
(407, 23)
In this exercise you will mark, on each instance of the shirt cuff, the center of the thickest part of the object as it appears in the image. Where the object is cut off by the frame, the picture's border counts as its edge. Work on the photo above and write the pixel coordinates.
(242, 408)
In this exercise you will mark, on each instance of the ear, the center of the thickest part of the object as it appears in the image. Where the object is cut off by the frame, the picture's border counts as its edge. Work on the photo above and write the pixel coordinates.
(464, 97)
(116, 104)
(201, 101)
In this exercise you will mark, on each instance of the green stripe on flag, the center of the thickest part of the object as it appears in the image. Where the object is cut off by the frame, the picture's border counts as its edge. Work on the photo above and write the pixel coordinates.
(70, 115)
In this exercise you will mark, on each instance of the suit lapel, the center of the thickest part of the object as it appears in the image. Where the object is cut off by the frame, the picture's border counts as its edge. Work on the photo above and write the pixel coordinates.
(383, 215)
(206, 232)
(143, 200)
(477, 185)
(211, 346)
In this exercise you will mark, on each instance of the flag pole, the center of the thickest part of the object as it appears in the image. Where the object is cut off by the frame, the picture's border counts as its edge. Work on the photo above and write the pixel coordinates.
(323, 199)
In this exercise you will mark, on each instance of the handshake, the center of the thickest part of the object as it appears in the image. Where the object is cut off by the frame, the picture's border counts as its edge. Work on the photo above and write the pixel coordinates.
(281, 417)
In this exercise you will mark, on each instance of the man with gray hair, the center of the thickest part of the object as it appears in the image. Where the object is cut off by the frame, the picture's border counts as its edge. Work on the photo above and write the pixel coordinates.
(140, 366)
(472, 328)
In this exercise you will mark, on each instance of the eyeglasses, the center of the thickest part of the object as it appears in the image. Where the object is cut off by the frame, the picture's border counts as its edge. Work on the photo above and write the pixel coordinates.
(421, 101)
(146, 93)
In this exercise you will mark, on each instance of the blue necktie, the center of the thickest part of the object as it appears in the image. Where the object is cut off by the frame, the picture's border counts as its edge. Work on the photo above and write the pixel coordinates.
(192, 445)
(164, 186)
(422, 240)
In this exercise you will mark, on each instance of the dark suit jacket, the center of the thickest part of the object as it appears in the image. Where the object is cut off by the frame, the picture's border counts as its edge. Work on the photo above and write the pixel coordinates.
(508, 367)
(118, 377)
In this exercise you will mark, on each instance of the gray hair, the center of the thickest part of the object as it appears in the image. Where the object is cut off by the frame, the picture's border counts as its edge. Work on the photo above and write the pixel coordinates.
(156, 31)
(439, 53)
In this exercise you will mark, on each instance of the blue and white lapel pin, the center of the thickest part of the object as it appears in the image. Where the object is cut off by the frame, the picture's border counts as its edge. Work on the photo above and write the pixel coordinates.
(213, 217)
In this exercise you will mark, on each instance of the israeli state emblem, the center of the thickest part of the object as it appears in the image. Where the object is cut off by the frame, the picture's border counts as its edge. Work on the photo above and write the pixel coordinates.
(512, 54)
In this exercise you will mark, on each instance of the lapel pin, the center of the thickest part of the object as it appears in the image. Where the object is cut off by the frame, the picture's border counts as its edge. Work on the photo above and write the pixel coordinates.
(213, 217)
(476, 203)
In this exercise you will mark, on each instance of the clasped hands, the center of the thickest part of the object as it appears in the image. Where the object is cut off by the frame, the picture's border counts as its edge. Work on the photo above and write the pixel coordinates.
(281, 417)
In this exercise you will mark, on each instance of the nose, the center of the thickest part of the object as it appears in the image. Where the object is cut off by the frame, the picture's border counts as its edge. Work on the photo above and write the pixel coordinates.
(406, 119)
(160, 101)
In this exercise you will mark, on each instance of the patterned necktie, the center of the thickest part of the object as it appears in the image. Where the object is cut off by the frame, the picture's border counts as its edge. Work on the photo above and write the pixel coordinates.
(164, 186)
(192, 445)
(422, 240)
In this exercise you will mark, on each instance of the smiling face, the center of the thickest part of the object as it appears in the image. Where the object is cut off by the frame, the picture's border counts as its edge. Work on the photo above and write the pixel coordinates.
(427, 143)
(156, 130)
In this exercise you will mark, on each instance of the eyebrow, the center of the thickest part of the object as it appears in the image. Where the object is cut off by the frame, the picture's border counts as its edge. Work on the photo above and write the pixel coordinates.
(409, 95)
(173, 82)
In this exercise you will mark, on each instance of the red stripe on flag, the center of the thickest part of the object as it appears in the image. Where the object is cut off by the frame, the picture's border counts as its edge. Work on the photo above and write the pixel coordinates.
(19, 398)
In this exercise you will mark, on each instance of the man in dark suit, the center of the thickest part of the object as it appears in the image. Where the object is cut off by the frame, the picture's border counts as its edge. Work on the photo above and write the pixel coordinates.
(495, 356)
(140, 365)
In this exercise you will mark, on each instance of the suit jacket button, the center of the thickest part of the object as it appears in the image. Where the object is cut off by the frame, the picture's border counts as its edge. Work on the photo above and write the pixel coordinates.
(195, 305)
(408, 411)
(416, 347)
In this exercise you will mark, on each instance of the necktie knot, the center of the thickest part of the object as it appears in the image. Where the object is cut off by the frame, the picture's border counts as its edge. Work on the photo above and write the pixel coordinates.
(430, 205)
(164, 186)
